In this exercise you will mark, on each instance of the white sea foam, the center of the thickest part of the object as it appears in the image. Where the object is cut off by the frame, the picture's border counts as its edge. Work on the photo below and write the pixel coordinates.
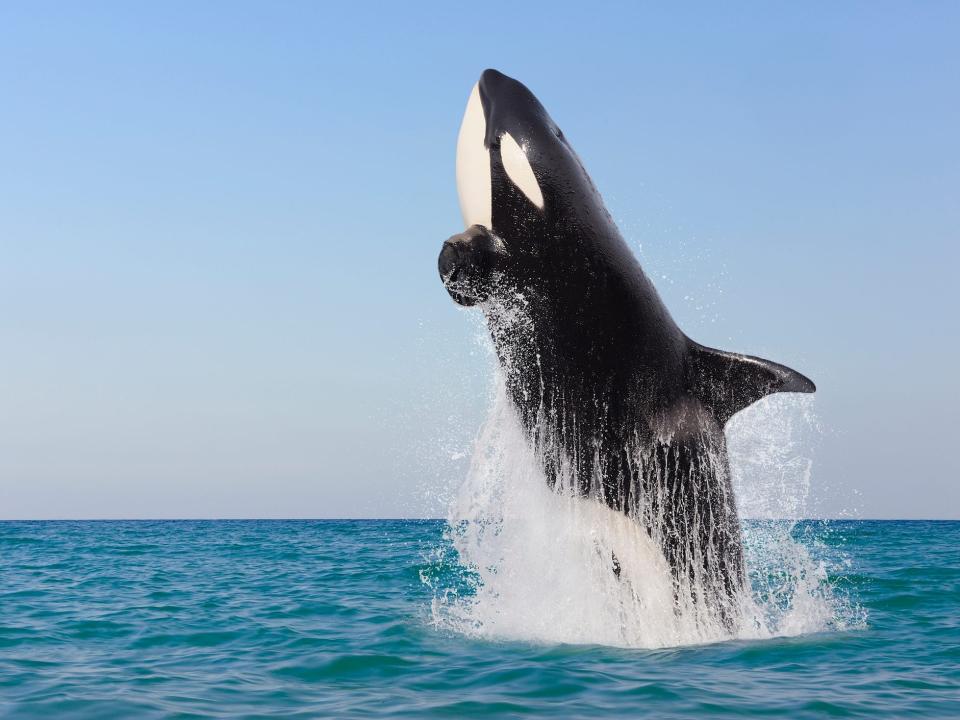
(542, 562)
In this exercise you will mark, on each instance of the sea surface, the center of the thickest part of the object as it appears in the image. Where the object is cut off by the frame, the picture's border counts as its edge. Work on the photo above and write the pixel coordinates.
(310, 619)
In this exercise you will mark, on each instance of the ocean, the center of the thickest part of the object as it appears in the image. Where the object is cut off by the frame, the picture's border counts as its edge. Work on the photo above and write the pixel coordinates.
(380, 618)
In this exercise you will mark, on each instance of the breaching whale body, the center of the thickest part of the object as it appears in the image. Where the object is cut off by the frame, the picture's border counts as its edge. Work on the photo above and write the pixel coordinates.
(619, 405)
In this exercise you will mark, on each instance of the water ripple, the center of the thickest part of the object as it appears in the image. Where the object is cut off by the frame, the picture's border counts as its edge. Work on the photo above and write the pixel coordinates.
(332, 619)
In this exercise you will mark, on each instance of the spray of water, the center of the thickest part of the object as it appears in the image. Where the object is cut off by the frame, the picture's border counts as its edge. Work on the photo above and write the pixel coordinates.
(537, 560)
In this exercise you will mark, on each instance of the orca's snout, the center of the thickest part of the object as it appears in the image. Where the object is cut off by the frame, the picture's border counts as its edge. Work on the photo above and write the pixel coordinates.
(465, 264)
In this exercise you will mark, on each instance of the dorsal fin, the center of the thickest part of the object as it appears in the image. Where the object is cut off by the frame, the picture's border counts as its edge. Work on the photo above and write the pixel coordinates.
(729, 382)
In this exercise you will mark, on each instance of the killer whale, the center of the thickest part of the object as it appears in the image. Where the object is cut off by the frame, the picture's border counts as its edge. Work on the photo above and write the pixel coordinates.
(618, 403)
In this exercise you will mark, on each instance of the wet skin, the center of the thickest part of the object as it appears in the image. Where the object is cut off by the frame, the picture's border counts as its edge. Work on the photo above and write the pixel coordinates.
(618, 402)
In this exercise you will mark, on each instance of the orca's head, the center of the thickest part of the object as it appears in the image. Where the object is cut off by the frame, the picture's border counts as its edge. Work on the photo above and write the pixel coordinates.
(523, 191)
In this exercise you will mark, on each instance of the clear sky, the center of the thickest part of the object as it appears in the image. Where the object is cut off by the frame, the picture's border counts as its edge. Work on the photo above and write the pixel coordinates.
(219, 225)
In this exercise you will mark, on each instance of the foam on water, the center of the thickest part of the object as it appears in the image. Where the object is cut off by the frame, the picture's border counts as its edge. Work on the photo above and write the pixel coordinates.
(541, 561)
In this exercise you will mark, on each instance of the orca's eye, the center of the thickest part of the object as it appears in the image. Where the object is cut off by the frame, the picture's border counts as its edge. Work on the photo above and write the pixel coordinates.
(518, 169)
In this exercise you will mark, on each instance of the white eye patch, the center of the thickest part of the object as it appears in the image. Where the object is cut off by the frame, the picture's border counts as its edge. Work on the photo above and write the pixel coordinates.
(519, 171)
(473, 166)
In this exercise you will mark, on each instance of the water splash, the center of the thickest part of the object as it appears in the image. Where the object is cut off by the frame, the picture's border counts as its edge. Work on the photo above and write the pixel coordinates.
(792, 570)
(539, 562)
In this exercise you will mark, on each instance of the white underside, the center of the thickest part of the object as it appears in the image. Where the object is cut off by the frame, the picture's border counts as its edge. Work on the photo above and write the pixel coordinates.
(473, 166)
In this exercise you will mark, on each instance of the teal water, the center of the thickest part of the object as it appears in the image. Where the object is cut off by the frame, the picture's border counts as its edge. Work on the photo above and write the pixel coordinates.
(307, 619)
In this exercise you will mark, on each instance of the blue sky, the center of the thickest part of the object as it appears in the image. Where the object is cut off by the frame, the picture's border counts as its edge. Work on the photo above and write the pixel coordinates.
(219, 225)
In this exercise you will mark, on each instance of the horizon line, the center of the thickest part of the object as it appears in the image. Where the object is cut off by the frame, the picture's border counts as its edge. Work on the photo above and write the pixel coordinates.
(415, 519)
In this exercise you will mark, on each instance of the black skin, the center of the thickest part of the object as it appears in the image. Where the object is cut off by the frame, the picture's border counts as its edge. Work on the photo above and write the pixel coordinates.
(619, 403)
